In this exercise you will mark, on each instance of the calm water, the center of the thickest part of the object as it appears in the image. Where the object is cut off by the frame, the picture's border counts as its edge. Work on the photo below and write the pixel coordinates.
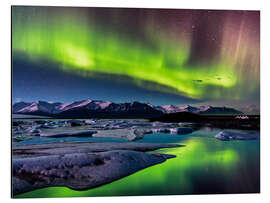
(204, 166)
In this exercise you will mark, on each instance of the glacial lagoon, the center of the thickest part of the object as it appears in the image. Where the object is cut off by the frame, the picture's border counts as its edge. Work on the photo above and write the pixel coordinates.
(205, 165)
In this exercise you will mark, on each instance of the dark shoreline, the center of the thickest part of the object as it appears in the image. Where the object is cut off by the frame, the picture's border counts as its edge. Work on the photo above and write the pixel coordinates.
(219, 121)
(251, 122)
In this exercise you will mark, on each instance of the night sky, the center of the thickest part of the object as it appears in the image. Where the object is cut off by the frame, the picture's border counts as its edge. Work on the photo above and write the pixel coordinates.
(161, 56)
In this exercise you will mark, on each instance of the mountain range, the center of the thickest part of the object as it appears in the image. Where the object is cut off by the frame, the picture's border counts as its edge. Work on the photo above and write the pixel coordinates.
(104, 109)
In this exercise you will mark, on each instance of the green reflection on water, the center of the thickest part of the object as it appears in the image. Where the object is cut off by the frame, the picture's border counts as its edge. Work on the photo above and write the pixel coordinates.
(204, 165)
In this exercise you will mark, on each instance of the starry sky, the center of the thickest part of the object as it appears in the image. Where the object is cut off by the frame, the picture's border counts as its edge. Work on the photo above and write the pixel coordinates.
(161, 56)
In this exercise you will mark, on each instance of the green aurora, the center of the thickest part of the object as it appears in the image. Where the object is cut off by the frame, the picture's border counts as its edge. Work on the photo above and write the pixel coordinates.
(81, 43)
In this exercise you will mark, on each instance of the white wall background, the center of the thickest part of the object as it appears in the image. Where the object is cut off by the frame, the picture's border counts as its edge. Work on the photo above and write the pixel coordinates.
(5, 93)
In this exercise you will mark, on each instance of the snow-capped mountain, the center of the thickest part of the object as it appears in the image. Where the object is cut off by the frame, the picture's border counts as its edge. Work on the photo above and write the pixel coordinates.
(20, 105)
(174, 109)
(87, 108)
(199, 110)
(87, 104)
(170, 108)
(188, 108)
(218, 110)
(37, 106)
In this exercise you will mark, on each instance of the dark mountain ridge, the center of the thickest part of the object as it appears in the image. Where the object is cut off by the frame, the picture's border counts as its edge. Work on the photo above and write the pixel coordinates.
(104, 109)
